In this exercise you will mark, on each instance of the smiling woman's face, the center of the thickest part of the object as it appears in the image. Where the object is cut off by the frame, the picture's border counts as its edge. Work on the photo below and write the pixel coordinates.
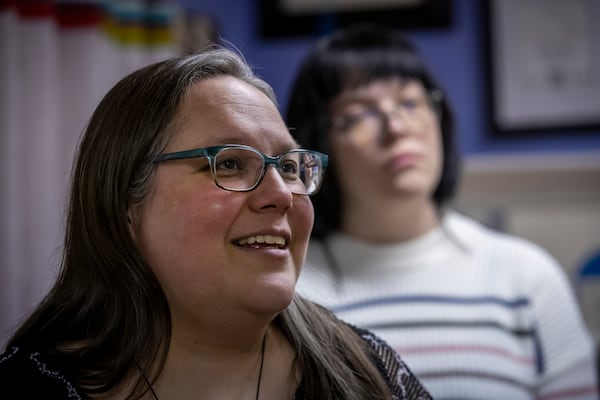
(189, 230)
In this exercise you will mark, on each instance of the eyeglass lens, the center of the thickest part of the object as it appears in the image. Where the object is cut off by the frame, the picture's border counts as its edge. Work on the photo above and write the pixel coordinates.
(370, 122)
(240, 169)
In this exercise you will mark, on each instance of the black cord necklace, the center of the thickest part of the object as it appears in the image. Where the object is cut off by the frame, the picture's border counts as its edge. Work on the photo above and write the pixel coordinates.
(260, 371)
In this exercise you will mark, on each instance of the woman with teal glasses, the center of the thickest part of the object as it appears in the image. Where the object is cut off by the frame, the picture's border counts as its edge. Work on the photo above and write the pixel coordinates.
(187, 228)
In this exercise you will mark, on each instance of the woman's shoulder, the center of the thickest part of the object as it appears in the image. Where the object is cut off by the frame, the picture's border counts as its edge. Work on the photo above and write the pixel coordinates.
(503, 246)
(25, 373)
(402, 382)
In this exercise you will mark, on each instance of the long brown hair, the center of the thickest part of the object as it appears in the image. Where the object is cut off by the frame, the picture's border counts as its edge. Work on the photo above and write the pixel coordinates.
(107, 314)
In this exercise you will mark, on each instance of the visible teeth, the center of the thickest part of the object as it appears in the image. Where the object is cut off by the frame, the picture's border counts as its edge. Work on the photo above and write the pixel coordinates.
(268, 239)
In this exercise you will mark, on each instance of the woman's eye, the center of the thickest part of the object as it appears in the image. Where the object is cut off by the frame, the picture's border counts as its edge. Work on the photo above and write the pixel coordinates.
(410, 104)
(229, 164)
(350, 120)
(289, 167)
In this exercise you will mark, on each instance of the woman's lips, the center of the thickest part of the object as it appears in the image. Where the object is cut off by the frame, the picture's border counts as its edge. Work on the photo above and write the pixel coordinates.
(402, 161)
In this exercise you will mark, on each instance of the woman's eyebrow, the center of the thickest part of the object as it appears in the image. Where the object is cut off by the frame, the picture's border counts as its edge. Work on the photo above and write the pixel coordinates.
(288, 147)
(353, 99)
(232, 139)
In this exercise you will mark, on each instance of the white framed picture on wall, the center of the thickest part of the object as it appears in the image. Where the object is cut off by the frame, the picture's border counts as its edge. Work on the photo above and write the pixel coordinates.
(543, 58)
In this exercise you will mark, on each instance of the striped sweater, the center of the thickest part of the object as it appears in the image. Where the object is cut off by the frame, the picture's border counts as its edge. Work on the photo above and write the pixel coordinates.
(475, 314)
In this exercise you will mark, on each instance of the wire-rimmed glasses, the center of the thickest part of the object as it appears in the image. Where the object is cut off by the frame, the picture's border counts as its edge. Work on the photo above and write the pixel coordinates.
(367, 122)
(240, 168)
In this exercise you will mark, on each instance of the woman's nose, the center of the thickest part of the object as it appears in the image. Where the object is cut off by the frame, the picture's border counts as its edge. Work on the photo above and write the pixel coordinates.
(394, 124)
(273, 192)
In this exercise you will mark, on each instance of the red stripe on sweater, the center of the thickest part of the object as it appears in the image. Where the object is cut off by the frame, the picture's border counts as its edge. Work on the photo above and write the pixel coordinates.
(568, 394)
(466, 348)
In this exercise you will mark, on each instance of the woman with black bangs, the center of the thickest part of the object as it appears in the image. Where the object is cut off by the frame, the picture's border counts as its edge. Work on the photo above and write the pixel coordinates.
(476, 313)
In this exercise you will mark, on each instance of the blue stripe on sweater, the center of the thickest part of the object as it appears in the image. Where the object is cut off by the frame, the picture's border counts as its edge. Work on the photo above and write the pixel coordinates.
(515, 303)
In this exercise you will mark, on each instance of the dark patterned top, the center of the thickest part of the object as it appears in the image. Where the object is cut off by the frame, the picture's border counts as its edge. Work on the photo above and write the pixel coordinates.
(25, 374)
(402, 383)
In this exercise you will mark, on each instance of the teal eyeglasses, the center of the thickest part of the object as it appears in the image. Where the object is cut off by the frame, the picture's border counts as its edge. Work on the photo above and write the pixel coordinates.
(240, 168)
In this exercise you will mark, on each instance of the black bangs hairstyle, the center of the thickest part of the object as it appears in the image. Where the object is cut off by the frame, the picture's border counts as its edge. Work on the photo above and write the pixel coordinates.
(348, 59)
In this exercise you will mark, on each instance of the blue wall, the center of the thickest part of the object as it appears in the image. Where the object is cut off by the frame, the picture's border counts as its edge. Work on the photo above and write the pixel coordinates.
(455, 55)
